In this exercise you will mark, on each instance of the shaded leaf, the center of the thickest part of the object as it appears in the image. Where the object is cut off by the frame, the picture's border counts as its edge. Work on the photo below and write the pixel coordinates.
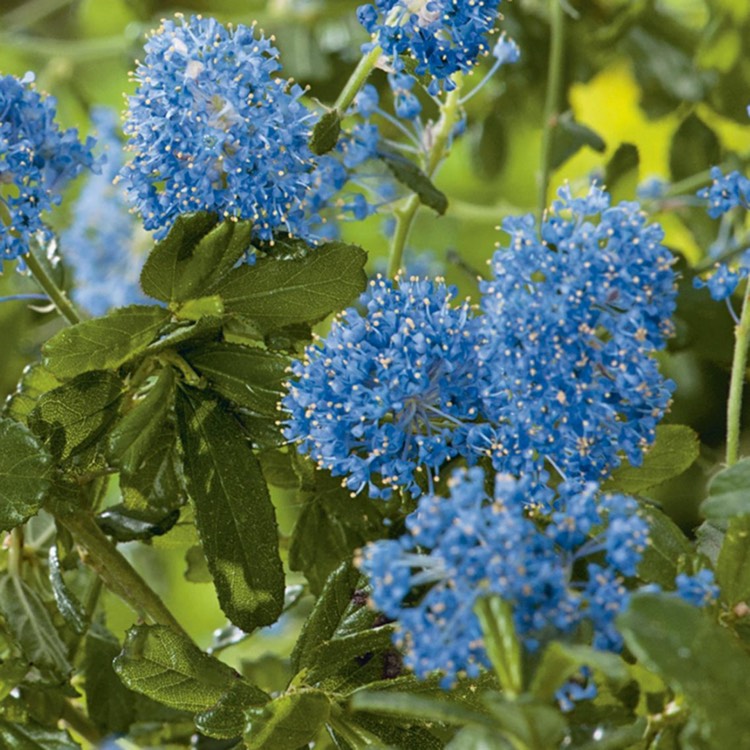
(569, 137)
(68, 605)
(32, 736)
(694, 146)
(410, 175)
(733, 565)
(729, 493)
(125, 524)
(326, 133)
(35, 381)
(24, 466)
(226, 719)
(233, 512)
(103, 343)
(667, 544)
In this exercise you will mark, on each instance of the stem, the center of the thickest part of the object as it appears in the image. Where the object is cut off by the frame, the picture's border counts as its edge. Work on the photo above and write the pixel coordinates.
(57, 296)
(357, 79)
(15, 552)
(450, 115)
(739, 366)
(554, 85)
(117, 574)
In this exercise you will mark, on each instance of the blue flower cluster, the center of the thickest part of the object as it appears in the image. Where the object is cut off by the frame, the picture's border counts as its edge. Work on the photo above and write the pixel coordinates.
(388, 396)
(442, 36)
(104, 242)
(37, 160)
(473, 544)
(212, 127)
(571, 319)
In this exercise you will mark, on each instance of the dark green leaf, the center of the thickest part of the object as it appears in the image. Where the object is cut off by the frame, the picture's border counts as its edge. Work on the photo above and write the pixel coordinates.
(184, 334)
(110, 705)
(326, 133)
(31, 625)
(709, 539)
(535, 725)
(695, 657)
(233, 512)
(12, 671)
(278, 293)
(667, 544)
(70, 608)
(197, 567)
(410, 175)
(624, 162)
(733, 566)
(694, 146)
(339, 611)
(278, 469)
(289, 722)
(74, 416)
(250, 377)
(36, 380)
(166, 263)
(729, 493)
(128, 524)
(32, 736)
(569, 137)
(675, 449)
(163, 665)
(227, 718)
(24, 464)
(103, 343)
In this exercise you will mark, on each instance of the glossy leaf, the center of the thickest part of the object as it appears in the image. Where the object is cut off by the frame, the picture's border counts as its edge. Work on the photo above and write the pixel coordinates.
(24, 467)
(279, 293)
(128, 524)
(233, 512)
(68, 605)
(163, 665)
(674, 451)
(103, 343)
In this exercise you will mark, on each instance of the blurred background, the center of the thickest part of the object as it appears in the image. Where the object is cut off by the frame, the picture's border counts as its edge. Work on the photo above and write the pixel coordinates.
(653, 90)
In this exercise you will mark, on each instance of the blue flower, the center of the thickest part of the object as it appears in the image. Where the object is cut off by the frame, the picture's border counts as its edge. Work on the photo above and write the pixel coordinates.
(105, 242)
(509, 543)
(443, 36)
(722, 282)
(699, 589)
(725, 192)
(212, 127)
(571, 319)
(37, 160)
(388, 395)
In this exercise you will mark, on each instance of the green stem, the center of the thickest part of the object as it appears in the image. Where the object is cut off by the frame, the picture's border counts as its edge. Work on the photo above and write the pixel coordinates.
(357, 79)
(117, 574)
(441, 139)
(737, 381)
(552, 100)
(15, 552)
(62, 303)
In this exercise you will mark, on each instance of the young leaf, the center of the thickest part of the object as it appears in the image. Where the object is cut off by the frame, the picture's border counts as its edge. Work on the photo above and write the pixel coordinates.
(74, 416)
(163, 665)
(326, 133)
(278, 293)
(675, 449)
(24, 464)
(103, 343)
(233, 512)
(410, 175)
(250, 377)
(729, 493)
(289, 722)
(695, 657)
(31, 625)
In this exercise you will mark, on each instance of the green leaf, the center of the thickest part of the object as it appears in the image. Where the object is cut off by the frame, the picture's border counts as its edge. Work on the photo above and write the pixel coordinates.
(667, 544)
(278, 293)
(410, 175)
(32, 736)
(622, 167)
(103, 343)
(74, 416)
(503, 647)
(326, 133)
(197, 566)
(729, 493)
(31, 625)
(70, 608)
(24, 466)
(209, 307)
(693, 147)
(477, 738)
(109, 704)
(233, 512)
(339, 611)
(289, 722)
(35, 381)
(535, 725)
(163, 665)
(226, 719)
(675, 449)
(733, 566)
(695, 657)
(569, 137)
(250, 377)
(128, 524)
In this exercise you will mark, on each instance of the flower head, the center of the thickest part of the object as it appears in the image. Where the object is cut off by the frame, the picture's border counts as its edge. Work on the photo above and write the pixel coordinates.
(388, 393)
(213, 128)
(571, 320)
(37, 160)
